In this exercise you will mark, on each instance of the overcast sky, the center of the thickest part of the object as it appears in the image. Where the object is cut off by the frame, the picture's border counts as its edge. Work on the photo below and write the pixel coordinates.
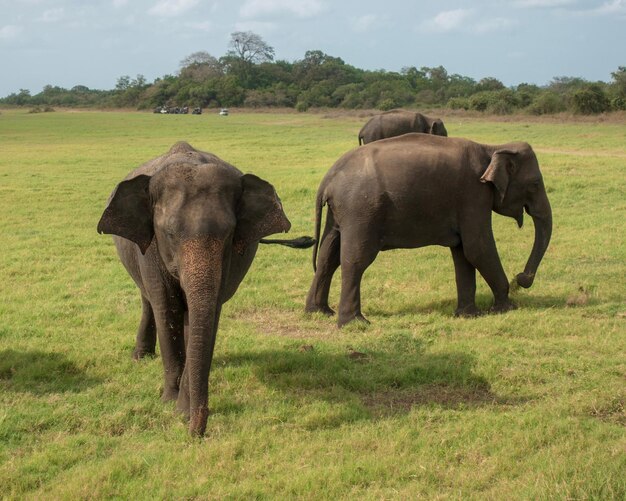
(93, 43)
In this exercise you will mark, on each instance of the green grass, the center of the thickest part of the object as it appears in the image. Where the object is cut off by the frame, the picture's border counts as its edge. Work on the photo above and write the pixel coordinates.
(525, 405)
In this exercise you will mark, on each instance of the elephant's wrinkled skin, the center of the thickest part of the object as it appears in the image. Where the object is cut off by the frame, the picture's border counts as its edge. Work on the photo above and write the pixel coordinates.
(187, 226)
(397, 122)
(417, 190)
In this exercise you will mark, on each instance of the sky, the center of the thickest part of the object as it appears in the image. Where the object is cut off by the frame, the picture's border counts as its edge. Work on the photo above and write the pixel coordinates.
(94, 42)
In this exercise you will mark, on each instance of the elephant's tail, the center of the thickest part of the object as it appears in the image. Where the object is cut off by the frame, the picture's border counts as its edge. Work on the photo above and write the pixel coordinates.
(319, 204)
(295, 243)
(360, 139)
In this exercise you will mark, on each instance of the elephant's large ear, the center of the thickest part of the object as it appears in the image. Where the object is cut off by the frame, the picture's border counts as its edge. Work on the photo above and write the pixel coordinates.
(129, 213)
(259, 212)
(438, 129)
(499, 170)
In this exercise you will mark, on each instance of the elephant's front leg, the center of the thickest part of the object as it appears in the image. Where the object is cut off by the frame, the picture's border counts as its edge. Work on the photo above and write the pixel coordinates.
(327, 264)
(170, 331)
(465, 275)
(481, 252)
(145, 342)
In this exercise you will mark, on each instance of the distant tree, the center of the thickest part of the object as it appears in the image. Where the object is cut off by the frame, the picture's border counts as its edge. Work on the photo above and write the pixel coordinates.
(460, 86)
(200, 57)
(547, 102)
(247, 49)
(139, 82)
(563, 85)
(489, 83)
(499, 102)
(200, 66)
(438, 76)
(417, 79)
(619, 80)
(22, 98)
(459, 103)
(618, 89)
(272, 74)
(590, 99)
(122, 83)
(318, 66)
(129, 92)
(526, 93)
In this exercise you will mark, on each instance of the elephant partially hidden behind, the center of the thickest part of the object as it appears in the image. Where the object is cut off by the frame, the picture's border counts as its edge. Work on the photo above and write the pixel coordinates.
(187, 226)
(417, 190)
(397, 122)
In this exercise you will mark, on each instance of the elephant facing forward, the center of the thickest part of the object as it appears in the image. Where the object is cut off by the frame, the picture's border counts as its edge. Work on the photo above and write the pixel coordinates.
(397, 122)
(418, 190)
(187, 226)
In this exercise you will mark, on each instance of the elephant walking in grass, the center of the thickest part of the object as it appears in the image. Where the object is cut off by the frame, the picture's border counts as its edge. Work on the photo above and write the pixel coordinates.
(187, 226)
(397, 122)
(417, 190)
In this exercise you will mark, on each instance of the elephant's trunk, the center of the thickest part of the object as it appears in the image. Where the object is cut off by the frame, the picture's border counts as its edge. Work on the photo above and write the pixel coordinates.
(541, 213)
(201, 278)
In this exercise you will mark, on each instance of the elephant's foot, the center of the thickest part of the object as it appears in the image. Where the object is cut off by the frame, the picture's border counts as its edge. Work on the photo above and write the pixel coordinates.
(138, 354)
(346, 319)
(197, 421)
(469, 311)
(169, 394)
(324, 309)
(503, 307)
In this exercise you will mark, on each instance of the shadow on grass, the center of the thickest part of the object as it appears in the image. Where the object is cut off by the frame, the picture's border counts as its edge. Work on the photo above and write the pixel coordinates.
(41, 372)
(371, 385)
(523, 300)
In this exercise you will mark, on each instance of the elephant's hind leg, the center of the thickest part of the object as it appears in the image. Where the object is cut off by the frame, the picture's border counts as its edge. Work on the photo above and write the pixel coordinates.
(357, 253)
(327, 264)
(465, 274)
(145, 342)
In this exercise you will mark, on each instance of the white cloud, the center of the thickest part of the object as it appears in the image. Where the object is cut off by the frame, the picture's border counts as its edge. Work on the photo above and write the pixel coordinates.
(167, 8)
(9, 32)
(363, 23)
(466, 21)
(543, 3)
(298, 8)
(205, 26)
(120, 3)
(256, 26)
(491, 25)
(448, 20)
(616, 7)
(52, 15)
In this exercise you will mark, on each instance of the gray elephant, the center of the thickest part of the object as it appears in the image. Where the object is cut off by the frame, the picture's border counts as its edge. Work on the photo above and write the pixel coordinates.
(187, 226)
(397, 122)
(417, 190)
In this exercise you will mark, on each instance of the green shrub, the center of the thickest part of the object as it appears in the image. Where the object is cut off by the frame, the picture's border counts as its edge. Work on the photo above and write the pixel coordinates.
(546, 102)
(618, 103)
(302, 106)
(590, 100)
(387, 104)
(459, 103)
(499, 102)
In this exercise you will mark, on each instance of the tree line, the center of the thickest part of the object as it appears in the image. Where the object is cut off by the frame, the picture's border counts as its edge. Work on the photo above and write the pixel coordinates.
(249, 76)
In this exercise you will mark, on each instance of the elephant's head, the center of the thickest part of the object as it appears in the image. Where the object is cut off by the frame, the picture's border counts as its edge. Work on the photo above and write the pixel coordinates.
(196, 219)
(185, 202)
(437, 128)
(518, 185)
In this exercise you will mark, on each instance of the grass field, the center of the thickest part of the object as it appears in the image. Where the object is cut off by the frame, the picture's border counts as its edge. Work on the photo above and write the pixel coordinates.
(525, 405)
